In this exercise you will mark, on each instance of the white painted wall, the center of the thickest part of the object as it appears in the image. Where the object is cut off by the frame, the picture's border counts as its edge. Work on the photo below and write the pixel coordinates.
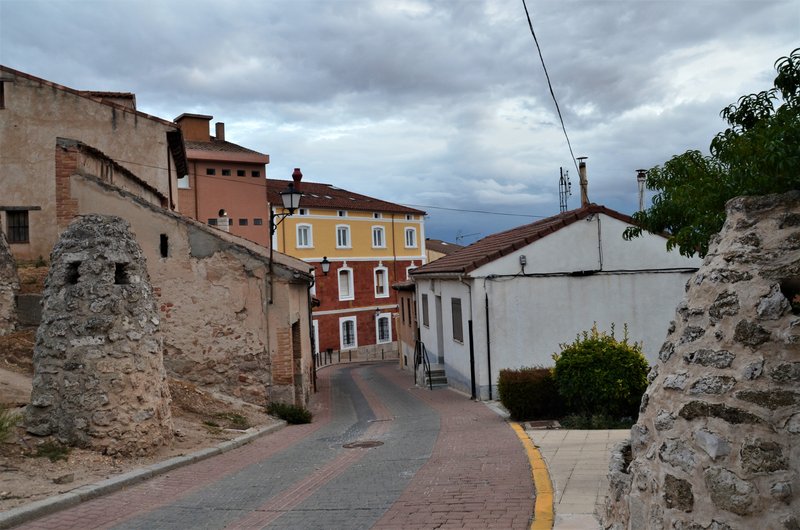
(531, 315)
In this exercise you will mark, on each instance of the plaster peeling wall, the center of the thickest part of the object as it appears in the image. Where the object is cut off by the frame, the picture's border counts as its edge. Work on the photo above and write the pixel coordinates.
(717, 444)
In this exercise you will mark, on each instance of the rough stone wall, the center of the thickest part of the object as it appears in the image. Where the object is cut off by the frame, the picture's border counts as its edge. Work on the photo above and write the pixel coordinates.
(99, 378)
(9, 286)
(717, 444)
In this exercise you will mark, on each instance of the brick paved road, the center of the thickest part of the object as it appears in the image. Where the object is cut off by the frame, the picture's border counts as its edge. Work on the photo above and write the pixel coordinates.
(444, 462)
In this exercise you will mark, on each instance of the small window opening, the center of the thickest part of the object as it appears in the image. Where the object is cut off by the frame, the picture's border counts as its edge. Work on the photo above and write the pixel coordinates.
(72, 272)
(164, 245)
(790, 288)
(121, 274)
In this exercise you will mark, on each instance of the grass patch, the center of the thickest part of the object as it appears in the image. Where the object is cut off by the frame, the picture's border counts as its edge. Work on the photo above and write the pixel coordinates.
(53, 451)
(293, 414)
(595, 422)
(8, 422)
(212, 427)
(234, 421)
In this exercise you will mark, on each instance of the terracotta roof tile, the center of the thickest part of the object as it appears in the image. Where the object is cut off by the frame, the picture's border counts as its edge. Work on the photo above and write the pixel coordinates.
(318, 195)
(218, 146)
(443, 247)
(500, 244)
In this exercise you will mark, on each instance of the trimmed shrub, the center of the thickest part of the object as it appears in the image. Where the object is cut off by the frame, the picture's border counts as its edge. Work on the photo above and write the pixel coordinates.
(529, 393)
(293, 414)
(599, 375)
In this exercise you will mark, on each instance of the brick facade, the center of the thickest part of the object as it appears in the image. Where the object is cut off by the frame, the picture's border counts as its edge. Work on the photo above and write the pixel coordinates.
(66, 165)
(362, 307)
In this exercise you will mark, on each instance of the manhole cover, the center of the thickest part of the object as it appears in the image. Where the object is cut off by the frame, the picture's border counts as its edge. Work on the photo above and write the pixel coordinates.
(366, 444)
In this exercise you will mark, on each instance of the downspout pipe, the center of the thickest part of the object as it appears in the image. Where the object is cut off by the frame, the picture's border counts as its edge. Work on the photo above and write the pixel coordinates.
(471, 361)
(488, 347)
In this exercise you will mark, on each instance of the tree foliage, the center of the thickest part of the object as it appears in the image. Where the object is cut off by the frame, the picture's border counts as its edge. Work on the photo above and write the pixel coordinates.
(759, 153)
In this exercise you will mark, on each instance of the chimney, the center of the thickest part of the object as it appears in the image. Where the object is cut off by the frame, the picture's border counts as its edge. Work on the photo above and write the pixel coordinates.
(297, 175)
(220, 131)
(641, 177)
(584, 181)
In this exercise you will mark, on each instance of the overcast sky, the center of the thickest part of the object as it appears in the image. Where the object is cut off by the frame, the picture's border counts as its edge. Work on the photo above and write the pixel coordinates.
(436, 104)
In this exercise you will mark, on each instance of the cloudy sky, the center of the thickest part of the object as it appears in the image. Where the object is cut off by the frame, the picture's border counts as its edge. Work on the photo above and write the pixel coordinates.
(438, 104)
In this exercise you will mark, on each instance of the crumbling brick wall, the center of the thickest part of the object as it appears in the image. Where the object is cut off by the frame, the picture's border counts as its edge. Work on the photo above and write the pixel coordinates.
(717, 444)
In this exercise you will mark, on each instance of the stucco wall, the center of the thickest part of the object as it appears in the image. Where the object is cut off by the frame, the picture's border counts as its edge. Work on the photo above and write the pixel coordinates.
(634, 282)
(47, 112)
(219, 330)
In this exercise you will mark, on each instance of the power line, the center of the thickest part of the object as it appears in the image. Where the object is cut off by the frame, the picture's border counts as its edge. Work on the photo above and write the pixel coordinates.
(473, 211)
(550, 85)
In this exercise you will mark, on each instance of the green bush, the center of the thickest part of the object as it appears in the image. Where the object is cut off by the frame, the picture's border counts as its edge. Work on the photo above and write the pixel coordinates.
(293, 414)
(8, 422)
(599, 375)
(529, 393)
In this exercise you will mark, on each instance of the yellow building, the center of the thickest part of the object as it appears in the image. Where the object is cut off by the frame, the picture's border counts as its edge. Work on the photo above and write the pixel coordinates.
(369, 244)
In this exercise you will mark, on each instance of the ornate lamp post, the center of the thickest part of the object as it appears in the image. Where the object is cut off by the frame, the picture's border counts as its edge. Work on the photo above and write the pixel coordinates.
(290, 197)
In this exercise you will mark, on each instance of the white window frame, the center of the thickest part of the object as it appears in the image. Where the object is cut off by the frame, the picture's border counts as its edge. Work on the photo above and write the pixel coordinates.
(409, 217)
(378, 317)
(377, 215)
(385, 272)
(411, 230)
(342, 345)
(315, 327)
(349, 272)
(310, 242)
(302, 211)
(349, 238)
(382, 231)
(408, 271)
(341, 213)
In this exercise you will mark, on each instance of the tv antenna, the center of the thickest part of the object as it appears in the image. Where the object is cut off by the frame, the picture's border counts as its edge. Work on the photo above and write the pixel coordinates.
(460, 237)
(564, 190)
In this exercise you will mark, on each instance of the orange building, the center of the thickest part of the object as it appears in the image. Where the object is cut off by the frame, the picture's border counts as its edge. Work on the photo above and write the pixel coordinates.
(226, 185)
(370, 244)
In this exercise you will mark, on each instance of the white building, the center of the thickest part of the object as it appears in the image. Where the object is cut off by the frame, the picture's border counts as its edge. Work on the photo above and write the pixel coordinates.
(538, 286)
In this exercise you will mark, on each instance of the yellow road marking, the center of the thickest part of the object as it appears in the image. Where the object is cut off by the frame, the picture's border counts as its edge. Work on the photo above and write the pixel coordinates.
(543, 516)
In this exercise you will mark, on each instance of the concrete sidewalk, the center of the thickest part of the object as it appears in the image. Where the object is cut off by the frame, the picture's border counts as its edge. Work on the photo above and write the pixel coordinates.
(577, 462)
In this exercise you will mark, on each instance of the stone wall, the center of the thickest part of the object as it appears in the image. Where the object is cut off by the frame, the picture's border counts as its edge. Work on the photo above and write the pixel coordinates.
(99, 378)
(9, 286)
(717, 444)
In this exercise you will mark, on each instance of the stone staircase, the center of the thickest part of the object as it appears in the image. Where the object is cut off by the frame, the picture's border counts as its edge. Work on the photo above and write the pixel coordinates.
(437, 377)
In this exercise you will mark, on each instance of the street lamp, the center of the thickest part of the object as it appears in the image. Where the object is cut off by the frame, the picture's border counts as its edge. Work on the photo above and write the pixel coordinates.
(326, 265)
(290, 197)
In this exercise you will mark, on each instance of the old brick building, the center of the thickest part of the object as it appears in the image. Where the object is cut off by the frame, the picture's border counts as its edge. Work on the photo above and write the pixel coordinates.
(68, 153)
(370, 244)
(223, 176)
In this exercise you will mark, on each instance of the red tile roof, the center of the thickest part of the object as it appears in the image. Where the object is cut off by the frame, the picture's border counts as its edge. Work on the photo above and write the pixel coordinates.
(318, 195)
(220, 146)
(443, 247)
(500, 244)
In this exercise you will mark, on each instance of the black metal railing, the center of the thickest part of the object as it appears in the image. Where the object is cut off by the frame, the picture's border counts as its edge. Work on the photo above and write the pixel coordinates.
(421, 358)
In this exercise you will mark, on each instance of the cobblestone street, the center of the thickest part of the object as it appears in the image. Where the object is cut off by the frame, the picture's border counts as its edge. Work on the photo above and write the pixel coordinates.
(379, 454)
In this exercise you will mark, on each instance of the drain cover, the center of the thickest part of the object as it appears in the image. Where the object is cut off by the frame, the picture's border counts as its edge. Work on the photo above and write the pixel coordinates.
(365, 444)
